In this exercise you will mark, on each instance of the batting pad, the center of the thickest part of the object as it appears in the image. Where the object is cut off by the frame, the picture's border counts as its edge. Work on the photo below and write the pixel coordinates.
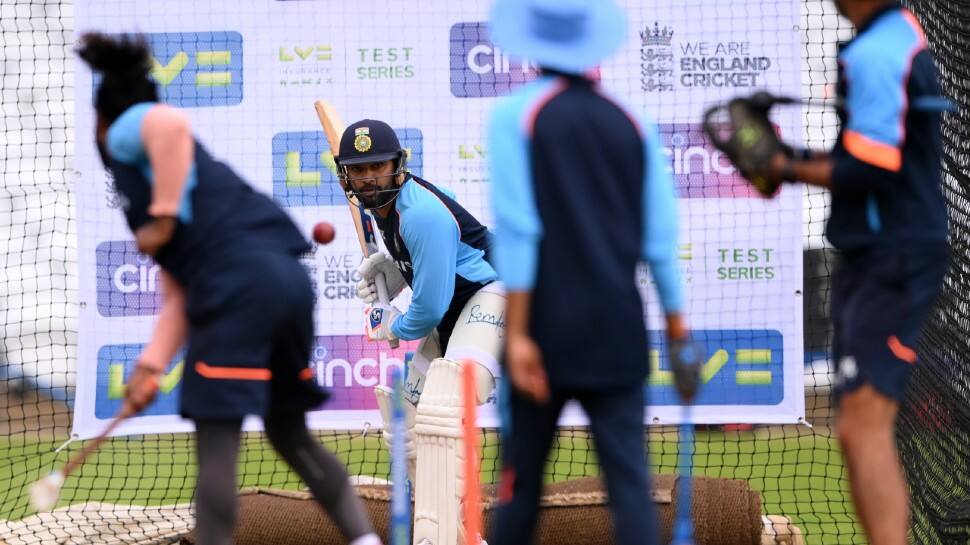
(438, 434)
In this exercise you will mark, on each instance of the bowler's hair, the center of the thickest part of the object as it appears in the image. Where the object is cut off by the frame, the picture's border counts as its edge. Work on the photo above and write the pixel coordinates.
(125, 63)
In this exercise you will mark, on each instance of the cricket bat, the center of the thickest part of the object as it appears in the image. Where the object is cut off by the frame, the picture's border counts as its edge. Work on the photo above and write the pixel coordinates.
(333, 128)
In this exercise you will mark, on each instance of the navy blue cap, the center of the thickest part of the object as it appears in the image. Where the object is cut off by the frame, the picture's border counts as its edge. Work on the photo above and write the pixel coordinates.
(369, 141)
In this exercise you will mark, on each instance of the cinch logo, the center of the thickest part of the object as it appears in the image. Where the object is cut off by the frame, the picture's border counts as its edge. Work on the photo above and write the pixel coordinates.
(741, 367)
(115, 365)
(700, 170)
(304, 173)
(127, 280)
(349, 366)
(197, 69)
(480, 69)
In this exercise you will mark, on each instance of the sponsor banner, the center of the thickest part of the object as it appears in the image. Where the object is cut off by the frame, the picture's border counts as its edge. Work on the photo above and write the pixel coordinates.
(741, 368)
(247, 77)
(305, 174)
(197, 69)
(128, 282)
(348, 366)
(479, 68)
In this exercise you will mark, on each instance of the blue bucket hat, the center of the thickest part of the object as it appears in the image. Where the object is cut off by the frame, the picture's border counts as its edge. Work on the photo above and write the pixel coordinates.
(571, 36)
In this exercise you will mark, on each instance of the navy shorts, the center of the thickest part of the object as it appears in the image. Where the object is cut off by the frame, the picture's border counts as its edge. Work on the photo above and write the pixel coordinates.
(250, 336)
(881, 298)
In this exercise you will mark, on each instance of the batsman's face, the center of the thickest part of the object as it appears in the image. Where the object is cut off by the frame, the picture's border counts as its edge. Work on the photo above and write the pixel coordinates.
(366, 179)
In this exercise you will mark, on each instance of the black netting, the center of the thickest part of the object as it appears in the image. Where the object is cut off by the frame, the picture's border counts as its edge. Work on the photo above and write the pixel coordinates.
(933, 433)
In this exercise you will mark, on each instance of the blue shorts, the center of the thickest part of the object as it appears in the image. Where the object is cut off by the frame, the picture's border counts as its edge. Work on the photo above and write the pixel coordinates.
(250, 336)
(880, 299)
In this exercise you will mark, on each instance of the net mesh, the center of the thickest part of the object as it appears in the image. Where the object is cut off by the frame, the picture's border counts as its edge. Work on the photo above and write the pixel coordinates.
(933, 431)
(797, 469)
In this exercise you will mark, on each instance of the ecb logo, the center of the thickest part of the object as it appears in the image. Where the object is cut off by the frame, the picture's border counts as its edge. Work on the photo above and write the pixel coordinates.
(305, 174)
(197, 69)
(479, 68)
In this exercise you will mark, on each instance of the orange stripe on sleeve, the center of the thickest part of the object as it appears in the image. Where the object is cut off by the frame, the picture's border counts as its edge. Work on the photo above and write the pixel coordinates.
(307, 374)
(901, 351)
(232, 373)
(915, 24)
(873, 152)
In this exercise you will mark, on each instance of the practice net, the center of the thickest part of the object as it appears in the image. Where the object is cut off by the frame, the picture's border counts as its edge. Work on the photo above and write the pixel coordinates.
(77, 302)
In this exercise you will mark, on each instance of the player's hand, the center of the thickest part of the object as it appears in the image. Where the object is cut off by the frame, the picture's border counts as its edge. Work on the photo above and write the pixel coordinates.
(525, 368)
(142, 388)
(685, 361)
(155, 234)
(369, 268)
(379, 320)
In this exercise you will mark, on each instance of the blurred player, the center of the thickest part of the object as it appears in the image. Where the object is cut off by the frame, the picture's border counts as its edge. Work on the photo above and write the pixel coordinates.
(580, 195)
(889, 221)
(457, 307)
(233, 287)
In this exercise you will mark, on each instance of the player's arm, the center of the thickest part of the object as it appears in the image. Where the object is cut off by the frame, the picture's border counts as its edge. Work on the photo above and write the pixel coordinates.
(170, 149)
(156, 135)
(432, 236)
(168, 336)
(870, 156)
(660, 233)
(515, 253)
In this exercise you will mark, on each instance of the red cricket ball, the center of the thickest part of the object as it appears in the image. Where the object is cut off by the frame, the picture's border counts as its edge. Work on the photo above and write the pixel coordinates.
(323, 232)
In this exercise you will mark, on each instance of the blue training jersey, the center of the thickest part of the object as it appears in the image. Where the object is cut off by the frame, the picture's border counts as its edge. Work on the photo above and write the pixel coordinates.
(441, 249)
(219, 214)
(581, 194)
(886, 180)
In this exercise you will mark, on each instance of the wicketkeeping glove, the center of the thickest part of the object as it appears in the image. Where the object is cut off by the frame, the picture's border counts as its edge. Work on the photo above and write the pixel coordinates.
(748, 138)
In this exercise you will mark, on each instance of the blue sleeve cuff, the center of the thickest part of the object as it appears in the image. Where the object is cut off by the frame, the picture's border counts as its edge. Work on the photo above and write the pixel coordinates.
(667, 278)
(516, 261)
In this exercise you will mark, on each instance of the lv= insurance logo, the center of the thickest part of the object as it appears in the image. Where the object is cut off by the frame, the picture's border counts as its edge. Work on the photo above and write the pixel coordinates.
(197, 69)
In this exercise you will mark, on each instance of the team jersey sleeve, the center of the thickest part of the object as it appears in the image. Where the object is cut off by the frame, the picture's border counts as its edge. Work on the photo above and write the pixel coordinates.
(660, 222)
(124, 139)
(431, 235)
(518, 228)
(876, 72)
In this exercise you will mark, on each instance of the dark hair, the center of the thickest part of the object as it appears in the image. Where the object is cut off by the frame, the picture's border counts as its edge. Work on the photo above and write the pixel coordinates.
(125, 63)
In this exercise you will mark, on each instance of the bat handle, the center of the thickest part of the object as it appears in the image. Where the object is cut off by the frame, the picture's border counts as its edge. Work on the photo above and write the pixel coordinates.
(93, 445)
(384, 298)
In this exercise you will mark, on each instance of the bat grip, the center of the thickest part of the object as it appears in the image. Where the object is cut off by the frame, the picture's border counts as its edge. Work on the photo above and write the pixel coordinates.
(384, 298)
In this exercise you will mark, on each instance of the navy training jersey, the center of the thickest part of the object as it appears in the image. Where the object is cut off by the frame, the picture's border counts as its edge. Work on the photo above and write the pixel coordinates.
(219, 214)
(886, 180)
(581, 194)
(441, 249)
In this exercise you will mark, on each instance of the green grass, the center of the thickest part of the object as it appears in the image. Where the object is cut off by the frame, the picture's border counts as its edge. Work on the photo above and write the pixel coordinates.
(798, 475)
